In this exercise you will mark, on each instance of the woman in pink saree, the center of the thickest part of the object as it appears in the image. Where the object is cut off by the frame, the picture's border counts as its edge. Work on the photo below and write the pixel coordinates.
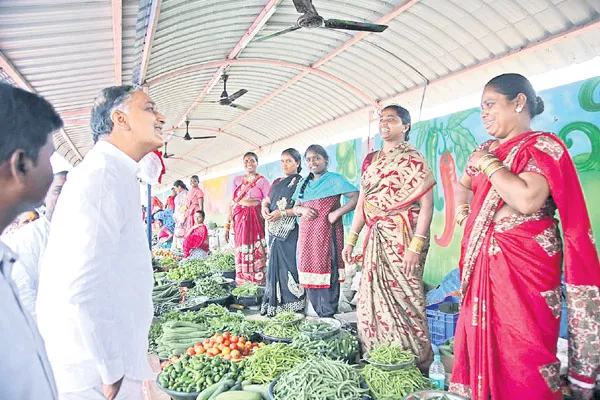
(248, 223)
(511, 258)
(194, 202)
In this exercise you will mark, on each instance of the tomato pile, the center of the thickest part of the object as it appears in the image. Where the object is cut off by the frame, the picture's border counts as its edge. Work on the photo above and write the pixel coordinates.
(226, 346)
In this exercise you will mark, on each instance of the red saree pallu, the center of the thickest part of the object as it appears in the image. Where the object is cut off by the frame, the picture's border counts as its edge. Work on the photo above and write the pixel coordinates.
(315, 245)
(249, 238)
(391, 304)
(505, 346)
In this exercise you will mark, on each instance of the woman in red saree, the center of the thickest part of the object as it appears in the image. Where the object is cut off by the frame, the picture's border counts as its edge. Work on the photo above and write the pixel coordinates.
(196, 241)
(194, 202)
(321, 233)
(511, 256)
(396, 203)
(170, 203)
(248, 223)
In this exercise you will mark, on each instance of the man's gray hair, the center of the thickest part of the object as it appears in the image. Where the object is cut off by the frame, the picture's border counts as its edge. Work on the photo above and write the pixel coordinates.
(110, 99)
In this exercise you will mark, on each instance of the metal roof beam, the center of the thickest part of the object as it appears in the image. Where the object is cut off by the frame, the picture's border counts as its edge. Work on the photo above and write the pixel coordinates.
(117, 34)
(349, 43)
(149, 40)
(254, 28)
(215, 130)
(21, 82)
(14, 74)
(259, 61)
(80, 112)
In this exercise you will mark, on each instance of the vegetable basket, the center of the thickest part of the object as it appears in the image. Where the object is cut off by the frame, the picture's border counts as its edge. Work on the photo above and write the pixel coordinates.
(223, 301)
(177, 395)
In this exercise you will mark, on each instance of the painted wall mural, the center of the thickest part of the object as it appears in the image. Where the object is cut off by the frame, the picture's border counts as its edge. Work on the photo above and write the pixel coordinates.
(572, 112)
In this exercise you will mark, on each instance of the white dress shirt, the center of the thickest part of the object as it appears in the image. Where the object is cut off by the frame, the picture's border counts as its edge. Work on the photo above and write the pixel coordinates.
(25, 372)
(94, 305)
(29, 243)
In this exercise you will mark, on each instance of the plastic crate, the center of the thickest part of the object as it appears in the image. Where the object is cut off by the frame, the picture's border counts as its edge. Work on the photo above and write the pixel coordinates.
(442, 326)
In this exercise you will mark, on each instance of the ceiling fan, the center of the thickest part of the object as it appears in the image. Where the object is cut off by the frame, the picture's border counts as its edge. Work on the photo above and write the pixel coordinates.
(187, 135)
(167, 155)
(311, 19)
(227, 100)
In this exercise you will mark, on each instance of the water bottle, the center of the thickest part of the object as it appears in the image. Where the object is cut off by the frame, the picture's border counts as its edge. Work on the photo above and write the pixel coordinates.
(437, 374)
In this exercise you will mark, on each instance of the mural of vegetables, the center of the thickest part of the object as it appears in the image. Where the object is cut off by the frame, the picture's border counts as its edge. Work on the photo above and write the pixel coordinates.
(347, 165)
(457, 139)
(448, 175)
(586, 95)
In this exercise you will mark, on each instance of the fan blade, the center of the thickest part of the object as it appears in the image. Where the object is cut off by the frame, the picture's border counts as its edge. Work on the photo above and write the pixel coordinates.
(237, 94)
(271, 36)
(203, 137)
(305, 7)
(239, 107)
(354, 26)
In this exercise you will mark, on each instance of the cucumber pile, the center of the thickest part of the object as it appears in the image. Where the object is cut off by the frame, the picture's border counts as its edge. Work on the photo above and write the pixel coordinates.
(177, 336)
(342, 346)
(196, 373)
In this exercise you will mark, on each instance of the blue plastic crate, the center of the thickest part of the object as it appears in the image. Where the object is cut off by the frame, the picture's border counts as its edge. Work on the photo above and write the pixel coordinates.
(442, 326)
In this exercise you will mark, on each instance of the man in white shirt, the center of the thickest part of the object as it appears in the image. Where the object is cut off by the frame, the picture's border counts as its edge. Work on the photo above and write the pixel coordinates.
(28, 122)
(94, 305)
(29, 243)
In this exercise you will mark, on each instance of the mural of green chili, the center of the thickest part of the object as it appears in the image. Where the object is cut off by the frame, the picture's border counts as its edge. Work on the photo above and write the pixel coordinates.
(586, 95)
(592, 161)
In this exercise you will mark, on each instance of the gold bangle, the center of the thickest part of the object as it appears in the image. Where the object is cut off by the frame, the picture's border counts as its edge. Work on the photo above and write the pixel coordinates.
(492, 172)
(351, 240)
(414, 251)
(488, 163)
(416, 244)
(459, 221)
(462, 208)
(485, 160)
(354, 233)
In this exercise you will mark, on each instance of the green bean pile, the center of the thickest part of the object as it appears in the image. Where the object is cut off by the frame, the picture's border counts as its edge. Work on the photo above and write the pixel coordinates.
(183, 273)
(281, 331)
(221, 262)
(198, 265)
(208, 287)
(286, 317)
(215, 309)
(246, 290)
(320, 379)
(390, 355)
(389, 385)
(167, 262)
(314, 327)
(271, 361)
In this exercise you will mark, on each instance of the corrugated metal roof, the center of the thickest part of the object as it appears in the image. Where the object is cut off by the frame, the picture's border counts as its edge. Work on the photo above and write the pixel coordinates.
(65, 51)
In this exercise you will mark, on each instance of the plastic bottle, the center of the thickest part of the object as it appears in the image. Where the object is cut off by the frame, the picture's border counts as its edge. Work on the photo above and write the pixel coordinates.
(437, 374)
